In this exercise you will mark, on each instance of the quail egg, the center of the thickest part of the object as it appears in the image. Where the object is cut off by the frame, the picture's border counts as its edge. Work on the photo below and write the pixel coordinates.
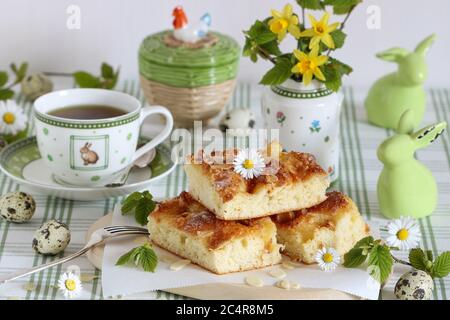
(36, 85)
(414, 285)
(17, 207)
(237, 122)
(51, 238)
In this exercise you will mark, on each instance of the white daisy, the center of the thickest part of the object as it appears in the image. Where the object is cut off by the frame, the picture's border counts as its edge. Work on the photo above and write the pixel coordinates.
(404, 233)
(249, 163)
(328, 259)
(70, 285)
(12, 118)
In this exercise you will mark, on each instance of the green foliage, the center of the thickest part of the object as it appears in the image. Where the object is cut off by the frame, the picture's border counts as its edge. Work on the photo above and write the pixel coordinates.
(279, 73)
(381, 262)
(441, 266)
(338, 38)
(341, 6)
(333, 71)
(358, 254)
(20, 73)
(311, 4)
(143, 256)
(259, 40)
(139, 203)
(107, 79)
(423, 260)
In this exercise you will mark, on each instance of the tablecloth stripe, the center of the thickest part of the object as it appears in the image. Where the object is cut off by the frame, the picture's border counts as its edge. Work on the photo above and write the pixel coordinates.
(359, 170)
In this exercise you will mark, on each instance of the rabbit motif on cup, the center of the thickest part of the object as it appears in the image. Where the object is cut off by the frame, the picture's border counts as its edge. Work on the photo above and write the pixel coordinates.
(405, 186)
(88, 156)
(393, 94)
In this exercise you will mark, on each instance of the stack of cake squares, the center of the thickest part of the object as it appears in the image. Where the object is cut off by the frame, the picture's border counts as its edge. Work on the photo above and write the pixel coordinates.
(227, 223)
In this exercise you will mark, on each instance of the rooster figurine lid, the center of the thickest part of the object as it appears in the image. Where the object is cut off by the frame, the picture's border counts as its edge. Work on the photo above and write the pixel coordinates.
(189, 32)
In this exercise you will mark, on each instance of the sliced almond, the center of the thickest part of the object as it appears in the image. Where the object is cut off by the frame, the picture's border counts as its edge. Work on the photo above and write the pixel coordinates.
(167, 259)
(277, 273)
(295, 285)
(254, 281)
(283, 284)
(180, 264)
(287, 265)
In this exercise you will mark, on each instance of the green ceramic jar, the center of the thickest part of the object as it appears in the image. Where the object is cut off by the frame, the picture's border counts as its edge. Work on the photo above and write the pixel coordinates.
(194, 83)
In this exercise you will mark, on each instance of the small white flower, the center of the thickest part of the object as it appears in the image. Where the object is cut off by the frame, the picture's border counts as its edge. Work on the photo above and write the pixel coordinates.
(12, 118)
(249, 163)
(328, 259)
(404, 233)
(70, 285)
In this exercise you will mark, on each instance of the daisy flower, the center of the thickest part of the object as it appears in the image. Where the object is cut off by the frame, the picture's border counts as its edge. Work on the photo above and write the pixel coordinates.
(328, 259)
(404, 233)
(249, 163)
(70, 285)
(12, 118)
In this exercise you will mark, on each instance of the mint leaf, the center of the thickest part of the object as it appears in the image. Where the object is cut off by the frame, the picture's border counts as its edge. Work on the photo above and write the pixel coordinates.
(380, 262)
(143, 256)
(279, 73)
(311, 4)
(3, 78)
(354, 258)
(418, 259)
(441, 266)
(141, 203)
(86, 80)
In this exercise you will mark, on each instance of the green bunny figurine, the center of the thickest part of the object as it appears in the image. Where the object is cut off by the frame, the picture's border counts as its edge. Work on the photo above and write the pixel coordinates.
(405, 186)
(396, 92)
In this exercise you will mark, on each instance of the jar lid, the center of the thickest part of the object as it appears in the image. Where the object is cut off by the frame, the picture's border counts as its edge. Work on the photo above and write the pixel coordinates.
(224, 51)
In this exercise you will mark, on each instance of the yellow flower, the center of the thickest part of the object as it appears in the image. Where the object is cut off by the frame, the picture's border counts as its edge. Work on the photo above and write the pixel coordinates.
(283, 22)
(308, 65)
(320, 31)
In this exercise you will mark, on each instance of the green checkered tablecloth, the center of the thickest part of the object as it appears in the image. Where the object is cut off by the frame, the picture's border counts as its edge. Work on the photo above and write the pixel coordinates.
(358, 171)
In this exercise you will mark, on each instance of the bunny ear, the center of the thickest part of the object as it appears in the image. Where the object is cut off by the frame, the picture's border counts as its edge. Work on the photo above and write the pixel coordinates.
(406, 122)
(393, 54)
(427, 135)
(86, 144)
(423, 46)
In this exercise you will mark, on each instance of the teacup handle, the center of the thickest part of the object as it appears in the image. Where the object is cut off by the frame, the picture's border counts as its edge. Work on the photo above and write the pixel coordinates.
(148, 111)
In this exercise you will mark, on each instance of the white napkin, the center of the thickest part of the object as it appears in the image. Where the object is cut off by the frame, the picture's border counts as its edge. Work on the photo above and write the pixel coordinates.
(126, 280)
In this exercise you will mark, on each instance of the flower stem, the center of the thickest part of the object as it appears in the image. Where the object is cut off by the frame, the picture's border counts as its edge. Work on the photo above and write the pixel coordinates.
(346, 17)
(397, 260)
(265, 55)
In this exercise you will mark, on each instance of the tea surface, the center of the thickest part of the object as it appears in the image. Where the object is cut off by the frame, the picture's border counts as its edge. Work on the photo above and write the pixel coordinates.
(87, 112)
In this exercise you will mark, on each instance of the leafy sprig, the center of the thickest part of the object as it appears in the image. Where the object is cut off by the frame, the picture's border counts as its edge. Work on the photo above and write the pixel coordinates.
(107, 80)
(143, 256)
(19, 72)
(261, 42)
(380, 260)
(139, 203)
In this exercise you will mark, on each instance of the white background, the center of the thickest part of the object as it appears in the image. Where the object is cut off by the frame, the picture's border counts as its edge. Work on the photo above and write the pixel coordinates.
(111, 30)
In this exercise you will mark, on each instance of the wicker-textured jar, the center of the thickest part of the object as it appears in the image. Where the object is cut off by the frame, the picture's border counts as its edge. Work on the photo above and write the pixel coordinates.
(194, 81)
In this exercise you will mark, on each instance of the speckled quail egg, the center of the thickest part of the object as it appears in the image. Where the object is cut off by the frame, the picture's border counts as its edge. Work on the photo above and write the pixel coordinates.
(51, 238)
(414, 285)
(17, 207)
(239, 121)
(36, 85)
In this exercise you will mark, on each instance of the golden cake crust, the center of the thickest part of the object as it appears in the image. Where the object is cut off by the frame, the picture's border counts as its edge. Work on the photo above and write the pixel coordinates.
(292, 167)
(188, 215)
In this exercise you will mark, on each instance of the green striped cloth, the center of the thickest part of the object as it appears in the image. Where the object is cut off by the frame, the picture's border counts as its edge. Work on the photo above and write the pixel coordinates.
(359, 170)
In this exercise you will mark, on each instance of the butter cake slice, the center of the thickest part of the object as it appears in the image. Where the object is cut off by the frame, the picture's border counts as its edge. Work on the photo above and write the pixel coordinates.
(185, 227)
(297, 182)
(336, 223)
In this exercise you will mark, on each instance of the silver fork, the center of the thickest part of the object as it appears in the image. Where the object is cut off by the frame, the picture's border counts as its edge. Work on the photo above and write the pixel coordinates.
(98, 237)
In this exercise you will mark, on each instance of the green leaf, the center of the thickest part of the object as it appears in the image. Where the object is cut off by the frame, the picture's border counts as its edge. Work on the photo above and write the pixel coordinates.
(143, 209)
(143, 256)
(338, 38)
(271, 48)
(107, 71)
(130, 202)
(380, 262)
(333, 79)
(279, 73)
(354, 258)
(6, 94)
(441, 266)
(3, 78)
(311, 4)
(141, 203)
(341, 67)
(86, 80)
(265, 37)
(256, 29)
(342, 6)
(124, 259)
(418, 259)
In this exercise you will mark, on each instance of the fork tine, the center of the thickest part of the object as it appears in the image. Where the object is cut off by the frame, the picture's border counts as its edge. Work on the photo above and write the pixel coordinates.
(123, 228)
